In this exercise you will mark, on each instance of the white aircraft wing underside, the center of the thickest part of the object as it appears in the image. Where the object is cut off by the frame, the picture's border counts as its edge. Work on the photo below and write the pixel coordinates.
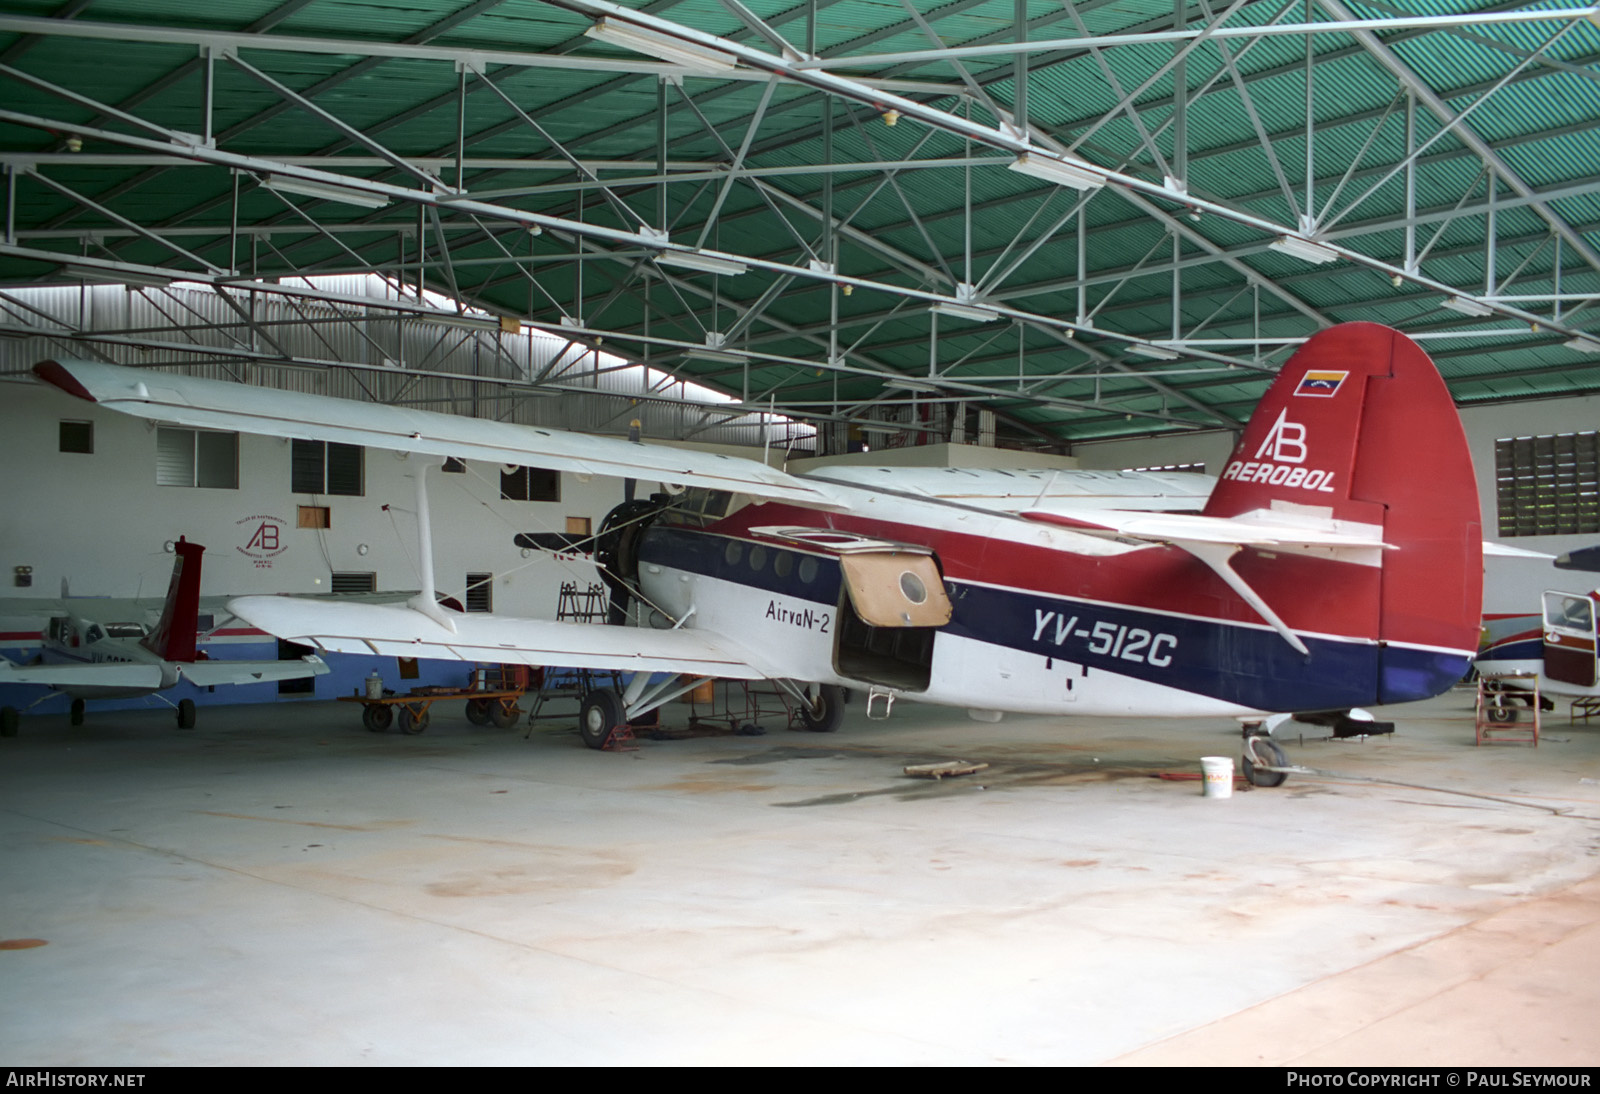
(207, 674)
(393, 631)
(1016, 490)
(216, 404)
(93, 674)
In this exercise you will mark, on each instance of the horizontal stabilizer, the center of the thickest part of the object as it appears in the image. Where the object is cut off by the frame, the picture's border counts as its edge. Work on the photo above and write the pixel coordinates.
(216, 404)
(393, 631)
(1177, 528)
(206, 674)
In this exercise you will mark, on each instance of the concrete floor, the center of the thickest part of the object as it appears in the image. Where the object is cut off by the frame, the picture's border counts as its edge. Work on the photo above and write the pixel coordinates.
(280, 887)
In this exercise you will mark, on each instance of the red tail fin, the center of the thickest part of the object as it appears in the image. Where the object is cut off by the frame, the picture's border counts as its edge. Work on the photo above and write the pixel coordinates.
(1359, 423)
(174, 637)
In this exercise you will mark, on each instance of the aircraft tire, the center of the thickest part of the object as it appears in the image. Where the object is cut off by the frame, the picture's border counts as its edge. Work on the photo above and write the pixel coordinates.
(1264, 750)
(412, 723)
(501, 716)
(599, 717)
(376, 717)
(75, 715)
(8, 721)
(185, 713)
(480, 711)
(825, 712)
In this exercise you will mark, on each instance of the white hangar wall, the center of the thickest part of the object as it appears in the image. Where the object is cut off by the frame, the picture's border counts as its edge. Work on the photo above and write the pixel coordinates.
(1511, 586)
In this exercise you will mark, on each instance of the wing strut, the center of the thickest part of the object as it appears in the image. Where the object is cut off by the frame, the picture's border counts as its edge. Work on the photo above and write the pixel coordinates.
(426, 601)
(1218, 556)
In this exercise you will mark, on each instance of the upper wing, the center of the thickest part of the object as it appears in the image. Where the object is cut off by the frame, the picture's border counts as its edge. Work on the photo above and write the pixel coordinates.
(97, 674)
(215, 404)
(207, 674)
(395, 631)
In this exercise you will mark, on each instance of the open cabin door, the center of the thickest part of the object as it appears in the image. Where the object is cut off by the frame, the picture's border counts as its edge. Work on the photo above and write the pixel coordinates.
(892, 604)
(1569, 638)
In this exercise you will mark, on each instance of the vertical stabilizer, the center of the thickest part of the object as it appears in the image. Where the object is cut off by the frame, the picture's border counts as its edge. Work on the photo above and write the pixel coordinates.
(174, 637)
(1360, 426)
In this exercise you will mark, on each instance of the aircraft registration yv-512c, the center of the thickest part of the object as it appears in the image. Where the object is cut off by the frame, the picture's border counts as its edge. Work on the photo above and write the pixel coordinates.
(90, 654)
(1337, 562)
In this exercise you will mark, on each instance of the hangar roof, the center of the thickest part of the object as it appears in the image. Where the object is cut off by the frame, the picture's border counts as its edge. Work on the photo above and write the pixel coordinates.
(1095, 219)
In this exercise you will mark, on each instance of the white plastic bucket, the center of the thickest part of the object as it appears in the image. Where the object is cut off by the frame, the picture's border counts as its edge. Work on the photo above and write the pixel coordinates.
(1218, 772)
(374, 686)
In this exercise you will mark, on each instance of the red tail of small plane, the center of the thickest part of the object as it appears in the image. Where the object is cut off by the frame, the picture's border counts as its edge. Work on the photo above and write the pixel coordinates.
(1359, 426)
(174, 637)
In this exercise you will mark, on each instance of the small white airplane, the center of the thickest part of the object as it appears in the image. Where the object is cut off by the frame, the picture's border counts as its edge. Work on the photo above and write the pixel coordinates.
(1336, 564)
(90, 657)
(1556, 649)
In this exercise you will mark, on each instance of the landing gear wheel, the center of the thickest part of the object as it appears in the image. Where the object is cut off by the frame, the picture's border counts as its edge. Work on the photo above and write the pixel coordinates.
(412, 723)
(75, 715)
(376, 717)
(599, 716)
(501, 716)
(185, 713)
(479, 711)
(1265, 752)
(8, 721)
(825, 711)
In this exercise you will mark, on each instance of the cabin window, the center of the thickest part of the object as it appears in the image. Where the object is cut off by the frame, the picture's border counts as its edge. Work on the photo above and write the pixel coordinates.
(530, 484)
(77, 436)
(480, 592)
(1549, 485)
(197, 457)
(327, 467)
(352, 582)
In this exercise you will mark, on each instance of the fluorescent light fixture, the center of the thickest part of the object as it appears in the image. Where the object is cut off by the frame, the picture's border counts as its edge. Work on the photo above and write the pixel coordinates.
(700, 353)
(696, 58)
(1582, 344)
(966, 311)
(906, 383)
(1466, 307)
(1058, 169)
(109, 276)
(1303, 249)
(694, 260)
(327, 191)
(1160, 353)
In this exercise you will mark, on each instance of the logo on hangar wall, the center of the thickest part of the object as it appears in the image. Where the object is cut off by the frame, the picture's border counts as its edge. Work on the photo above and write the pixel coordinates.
(264, 539)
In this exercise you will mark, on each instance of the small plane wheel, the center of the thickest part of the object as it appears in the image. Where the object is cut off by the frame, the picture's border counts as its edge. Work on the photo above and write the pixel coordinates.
(480, 711)
(75, 715)
(599, 716)
(1264, 751)
(8, 721)
(500, 715)
(185, 713)
(1502, 714)
(376, 717)
(412, 723)
(825, 712)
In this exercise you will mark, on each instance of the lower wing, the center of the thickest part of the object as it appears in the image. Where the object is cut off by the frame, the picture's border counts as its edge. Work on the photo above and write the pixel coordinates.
(396, 631)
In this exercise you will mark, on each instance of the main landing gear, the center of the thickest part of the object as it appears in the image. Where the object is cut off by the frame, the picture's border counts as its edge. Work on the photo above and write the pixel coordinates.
(823, 709)
(599, 717)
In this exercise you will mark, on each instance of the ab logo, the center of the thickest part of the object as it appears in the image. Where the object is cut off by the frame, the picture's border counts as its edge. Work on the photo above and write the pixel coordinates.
(1286, 442)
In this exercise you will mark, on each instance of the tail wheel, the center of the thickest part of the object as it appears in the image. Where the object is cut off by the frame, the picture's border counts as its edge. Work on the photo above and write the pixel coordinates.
(8, 721)
(185, 713)
(825, 710)
(601, 713)
(1263, 752)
